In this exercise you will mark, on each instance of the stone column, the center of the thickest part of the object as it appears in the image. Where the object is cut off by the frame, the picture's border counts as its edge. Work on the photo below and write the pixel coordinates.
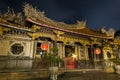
(63, 50)
(32, 49)
(60, 50)
(76, 52)
(86, 53)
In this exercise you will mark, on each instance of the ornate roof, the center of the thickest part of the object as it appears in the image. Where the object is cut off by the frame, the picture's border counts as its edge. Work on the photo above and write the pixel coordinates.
(35, 16)
(88, 31)
(12, 20)
(38, 16)
(117, 38)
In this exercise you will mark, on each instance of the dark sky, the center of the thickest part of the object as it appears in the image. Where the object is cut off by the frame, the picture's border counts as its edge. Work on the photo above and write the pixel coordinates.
(97, 13)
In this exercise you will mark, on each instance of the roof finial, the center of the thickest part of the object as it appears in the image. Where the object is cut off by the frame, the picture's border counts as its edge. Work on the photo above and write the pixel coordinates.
(81, 24)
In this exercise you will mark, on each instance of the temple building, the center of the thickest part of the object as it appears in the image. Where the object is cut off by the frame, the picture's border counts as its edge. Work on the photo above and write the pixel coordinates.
(32, 35)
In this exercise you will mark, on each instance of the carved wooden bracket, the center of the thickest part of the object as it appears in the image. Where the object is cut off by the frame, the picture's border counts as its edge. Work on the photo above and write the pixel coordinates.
(2, 29)
(58, 33)
(35, 27)
(94, 41)
(33, 35)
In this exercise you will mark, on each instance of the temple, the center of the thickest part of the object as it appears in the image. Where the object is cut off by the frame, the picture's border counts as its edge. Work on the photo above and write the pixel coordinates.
(31, 35)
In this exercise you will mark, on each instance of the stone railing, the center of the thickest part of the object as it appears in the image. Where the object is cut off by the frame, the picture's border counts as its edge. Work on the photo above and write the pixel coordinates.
(27, 63)
(15, 63)
(90, 64)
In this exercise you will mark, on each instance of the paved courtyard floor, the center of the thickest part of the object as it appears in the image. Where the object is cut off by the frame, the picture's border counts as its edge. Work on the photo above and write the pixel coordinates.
(89, 75)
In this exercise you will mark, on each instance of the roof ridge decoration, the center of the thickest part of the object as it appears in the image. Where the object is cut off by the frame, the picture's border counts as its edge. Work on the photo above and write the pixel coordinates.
(110, 32)
(12, 17)
(37, 15)
(81, 24)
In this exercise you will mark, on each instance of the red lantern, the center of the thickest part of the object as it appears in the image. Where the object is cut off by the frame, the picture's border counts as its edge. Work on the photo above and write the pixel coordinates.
(97, 51)
(44, 46)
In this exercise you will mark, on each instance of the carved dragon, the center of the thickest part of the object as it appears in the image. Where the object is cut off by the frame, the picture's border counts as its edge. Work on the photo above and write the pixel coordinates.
(110, 32)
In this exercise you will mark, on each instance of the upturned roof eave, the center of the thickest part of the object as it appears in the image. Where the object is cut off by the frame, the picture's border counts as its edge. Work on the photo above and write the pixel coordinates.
(56, 28)
(10, 26)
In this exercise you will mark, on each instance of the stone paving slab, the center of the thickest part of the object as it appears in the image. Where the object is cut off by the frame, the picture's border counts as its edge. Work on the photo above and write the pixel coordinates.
(91, 75)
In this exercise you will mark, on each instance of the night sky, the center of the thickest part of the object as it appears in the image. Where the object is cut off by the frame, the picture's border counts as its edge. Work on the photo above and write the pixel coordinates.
(97, 13)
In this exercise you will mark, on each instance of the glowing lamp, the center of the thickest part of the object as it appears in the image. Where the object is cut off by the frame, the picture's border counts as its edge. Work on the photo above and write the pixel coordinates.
(73, 55)
(97, 51)
(44, 46)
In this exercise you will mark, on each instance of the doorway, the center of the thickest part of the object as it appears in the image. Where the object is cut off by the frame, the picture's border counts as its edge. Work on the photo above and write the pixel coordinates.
(70, 60)
(69, 50)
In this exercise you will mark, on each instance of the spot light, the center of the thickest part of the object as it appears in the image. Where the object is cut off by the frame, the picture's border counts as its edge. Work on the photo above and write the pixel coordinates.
(73, 55)
(40, 52)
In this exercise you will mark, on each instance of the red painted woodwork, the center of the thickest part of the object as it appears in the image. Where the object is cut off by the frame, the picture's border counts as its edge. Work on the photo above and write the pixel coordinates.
(70, 63)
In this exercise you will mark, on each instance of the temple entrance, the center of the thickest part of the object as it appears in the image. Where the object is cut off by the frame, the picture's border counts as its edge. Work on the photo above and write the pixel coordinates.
(39, 51)
(98, 53)
(97, 50)
(90, 54)
(69, 56)
(69, 50)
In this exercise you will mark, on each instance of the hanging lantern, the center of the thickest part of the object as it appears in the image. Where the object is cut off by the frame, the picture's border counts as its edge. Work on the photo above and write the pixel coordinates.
(44, 46)
(97, 51)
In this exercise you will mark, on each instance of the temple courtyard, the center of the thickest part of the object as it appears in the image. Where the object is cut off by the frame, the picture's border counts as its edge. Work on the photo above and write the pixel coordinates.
(85, 75)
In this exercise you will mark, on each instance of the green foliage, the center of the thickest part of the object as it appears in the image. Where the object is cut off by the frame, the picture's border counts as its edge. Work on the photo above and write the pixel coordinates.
(52, 58)
(54, 50)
